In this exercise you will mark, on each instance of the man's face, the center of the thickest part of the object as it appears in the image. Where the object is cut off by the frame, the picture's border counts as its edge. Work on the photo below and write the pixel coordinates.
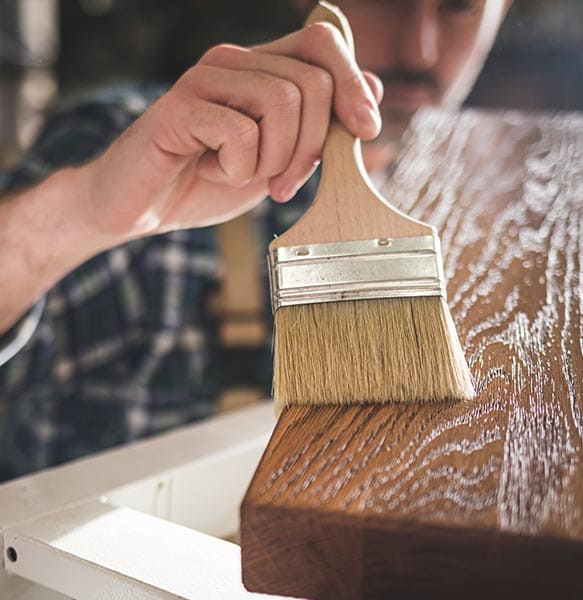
(425, 51)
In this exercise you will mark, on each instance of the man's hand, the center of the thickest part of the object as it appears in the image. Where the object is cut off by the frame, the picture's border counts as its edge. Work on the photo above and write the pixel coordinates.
(238, 125)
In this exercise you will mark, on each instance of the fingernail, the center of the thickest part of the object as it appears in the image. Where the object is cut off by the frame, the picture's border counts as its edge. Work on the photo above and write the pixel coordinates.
(365, 112)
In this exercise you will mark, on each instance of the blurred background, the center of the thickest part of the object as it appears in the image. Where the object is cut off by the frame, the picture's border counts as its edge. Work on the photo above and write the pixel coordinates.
(51, 50)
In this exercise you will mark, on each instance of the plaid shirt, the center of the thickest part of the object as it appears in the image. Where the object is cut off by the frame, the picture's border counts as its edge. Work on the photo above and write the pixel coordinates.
(123, 346)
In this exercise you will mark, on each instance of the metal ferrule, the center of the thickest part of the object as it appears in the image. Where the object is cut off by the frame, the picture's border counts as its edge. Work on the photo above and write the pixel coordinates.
(378, 268)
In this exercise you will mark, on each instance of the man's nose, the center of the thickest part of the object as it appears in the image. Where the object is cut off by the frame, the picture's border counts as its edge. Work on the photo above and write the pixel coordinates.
(419, 40)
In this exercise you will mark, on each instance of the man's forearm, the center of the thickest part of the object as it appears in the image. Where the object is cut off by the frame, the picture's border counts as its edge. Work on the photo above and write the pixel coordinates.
(44, 234)
(238, 124)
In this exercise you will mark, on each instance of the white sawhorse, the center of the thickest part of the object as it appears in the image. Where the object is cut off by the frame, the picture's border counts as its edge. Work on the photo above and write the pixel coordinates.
(140, 522)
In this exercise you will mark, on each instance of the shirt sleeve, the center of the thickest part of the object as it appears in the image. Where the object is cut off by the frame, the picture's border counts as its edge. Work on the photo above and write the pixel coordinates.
(17, 337)
(73, 134)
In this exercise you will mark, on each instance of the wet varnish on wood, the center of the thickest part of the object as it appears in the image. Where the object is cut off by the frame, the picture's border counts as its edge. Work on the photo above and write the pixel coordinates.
(456, 500)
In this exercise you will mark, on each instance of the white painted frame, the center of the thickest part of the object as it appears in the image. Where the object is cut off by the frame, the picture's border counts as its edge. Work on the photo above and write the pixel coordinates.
(141, 521)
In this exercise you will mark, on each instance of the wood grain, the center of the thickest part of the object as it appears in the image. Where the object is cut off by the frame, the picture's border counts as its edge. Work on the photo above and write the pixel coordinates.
(455, 500)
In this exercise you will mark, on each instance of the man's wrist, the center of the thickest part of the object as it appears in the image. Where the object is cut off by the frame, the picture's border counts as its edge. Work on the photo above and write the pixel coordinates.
(46, 233)
(69, 192)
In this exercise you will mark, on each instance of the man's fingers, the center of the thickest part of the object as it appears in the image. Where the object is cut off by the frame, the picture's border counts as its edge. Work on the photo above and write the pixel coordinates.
(274, 103)
(242, 115)
(232, 157)
(316, 88)
(188, 129)
(284, 187)
(279, 125)
(247, 123)
(375, 84)
(323, 45)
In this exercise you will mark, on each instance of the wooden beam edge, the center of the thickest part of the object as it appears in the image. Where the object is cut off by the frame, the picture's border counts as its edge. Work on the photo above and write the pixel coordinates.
(311, 553)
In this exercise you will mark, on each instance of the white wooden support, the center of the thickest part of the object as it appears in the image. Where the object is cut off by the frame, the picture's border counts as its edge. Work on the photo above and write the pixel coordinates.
(141, 521)
(97, 551)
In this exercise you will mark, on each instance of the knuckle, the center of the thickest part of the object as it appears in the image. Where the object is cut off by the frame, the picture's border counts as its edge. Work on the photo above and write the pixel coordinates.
(323, 33)
(319, 82)
(193, 82)
(246, 132)
(186, 77)
(219, 54)
(284, 93)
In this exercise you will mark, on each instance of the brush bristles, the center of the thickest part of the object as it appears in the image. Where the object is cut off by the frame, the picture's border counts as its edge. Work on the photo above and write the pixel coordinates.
(368, 351)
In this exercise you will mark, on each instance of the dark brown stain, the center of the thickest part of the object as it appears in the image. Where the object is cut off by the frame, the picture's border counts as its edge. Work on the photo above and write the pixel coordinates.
(480, 499)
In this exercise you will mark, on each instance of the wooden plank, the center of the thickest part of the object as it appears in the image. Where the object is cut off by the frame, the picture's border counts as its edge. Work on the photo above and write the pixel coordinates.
(455, 500)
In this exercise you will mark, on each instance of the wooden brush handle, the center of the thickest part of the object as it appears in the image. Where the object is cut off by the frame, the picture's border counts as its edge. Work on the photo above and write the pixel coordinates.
(346, 206)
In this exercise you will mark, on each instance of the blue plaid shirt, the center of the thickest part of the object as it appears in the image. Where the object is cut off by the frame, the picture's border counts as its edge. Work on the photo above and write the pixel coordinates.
(124, 346)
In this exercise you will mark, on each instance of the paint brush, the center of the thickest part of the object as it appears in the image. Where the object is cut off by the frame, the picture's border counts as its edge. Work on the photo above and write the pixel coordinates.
(358, 292)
